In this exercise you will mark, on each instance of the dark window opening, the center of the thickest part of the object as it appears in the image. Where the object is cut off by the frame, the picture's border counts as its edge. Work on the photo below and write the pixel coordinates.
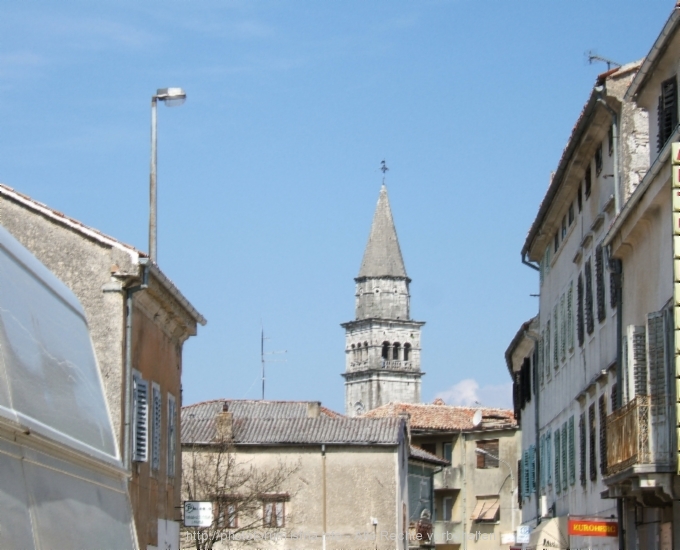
(395, 351)
(602, 406)
(599, 283)
(557, 241)
(590, 321)
(610, 140)
(588, 180)
(579, 198)
(385, 350)
(667, 111)
(598, 160)
(571, 214)
(580, 328)
(487, 454)
(564, 227)
(407, 352)
(593, 442)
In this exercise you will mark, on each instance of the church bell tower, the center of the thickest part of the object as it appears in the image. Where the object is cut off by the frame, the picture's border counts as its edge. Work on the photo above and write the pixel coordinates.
(382, 345)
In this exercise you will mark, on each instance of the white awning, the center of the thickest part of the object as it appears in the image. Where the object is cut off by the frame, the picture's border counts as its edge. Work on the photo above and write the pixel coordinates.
(550, 534)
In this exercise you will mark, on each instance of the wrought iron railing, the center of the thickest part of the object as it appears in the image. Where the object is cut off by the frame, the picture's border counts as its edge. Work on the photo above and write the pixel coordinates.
(628, 435)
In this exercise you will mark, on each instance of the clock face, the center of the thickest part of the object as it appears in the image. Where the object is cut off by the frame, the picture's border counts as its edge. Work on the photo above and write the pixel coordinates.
(359, 407)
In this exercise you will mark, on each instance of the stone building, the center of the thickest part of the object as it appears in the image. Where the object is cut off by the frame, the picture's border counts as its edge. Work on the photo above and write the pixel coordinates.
(564, 362)
(474, 493)
(347, 487)
(382, 345)
(644, 243)
(138, 320)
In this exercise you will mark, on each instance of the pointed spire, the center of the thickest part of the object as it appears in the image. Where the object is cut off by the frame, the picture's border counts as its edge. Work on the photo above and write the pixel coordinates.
(382, 257)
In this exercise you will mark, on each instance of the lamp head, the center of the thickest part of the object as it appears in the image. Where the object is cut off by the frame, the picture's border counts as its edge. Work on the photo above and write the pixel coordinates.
(172, 97)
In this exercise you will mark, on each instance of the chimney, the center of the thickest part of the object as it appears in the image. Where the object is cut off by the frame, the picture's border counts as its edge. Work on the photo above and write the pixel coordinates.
(224, 424)
(313, 409)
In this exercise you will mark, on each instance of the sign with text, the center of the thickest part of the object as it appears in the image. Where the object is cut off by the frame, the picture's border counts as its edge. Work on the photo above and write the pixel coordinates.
(523, 534)
(198, 514)
(589, 528)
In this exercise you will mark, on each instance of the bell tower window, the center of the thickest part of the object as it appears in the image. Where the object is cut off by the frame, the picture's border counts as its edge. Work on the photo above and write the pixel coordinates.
(407, 352)
(395, 351)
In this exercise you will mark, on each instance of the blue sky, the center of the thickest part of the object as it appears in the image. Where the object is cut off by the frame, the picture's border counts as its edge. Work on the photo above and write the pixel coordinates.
(269, 174)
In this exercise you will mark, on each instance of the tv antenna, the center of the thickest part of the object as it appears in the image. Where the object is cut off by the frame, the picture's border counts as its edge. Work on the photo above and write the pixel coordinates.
(592, 57)
(264, 361)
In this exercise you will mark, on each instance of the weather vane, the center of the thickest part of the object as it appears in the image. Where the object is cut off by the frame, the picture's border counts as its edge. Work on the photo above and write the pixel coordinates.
(384, 169)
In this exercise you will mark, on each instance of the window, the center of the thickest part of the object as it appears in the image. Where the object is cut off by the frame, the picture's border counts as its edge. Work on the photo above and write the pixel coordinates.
(610, 140)
(593, 442)
(558, 479)
(565, 463)
(407, 352)
(579, 198)
(172, 435)
(156, 427)
(548, 457)
(448, 451)
(572, 453)
(274, 513)
(487, 509)
(429, 447)
(570, 215)
(548, 355)
(580, 327)
(667, 111)
(599, 283)
(590, 321)
(556, 343)
(588, 181)
(542, 456)
(447, 508)
(570, 316)
(602, 409)
(598, 160)
(582, 447)
(556, 243)
(385, 350)
(490, 446)
(226, 513)
(563, 327)
(140, 418)
(532, 469)
(564, 228)
(395, 351)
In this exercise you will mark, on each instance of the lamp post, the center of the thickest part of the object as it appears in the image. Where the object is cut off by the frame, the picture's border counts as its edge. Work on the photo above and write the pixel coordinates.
(172, 97)
(512, 481)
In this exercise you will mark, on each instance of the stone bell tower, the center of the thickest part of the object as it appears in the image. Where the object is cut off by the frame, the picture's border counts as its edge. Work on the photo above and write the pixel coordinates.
(382, 345)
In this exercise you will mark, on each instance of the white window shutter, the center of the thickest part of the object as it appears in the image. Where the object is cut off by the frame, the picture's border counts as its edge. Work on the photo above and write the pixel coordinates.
(637, 358)
(156, 427)
(140, 436)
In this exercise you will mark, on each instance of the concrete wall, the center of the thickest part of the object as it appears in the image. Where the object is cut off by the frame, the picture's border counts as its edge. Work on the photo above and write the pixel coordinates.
(362, 483)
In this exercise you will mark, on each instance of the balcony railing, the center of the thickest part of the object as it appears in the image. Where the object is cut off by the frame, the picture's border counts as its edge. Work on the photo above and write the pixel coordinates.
(628, 435)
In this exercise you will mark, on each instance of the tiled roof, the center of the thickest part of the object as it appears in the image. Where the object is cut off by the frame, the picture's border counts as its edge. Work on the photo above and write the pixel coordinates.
(421, 454)
(286, 422)
(382, 257)
(445, 417)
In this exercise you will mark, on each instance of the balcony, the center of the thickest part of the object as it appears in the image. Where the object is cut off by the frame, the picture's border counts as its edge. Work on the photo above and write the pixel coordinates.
(420, 534)
(628, 436)
(449, 478)
(448, 532)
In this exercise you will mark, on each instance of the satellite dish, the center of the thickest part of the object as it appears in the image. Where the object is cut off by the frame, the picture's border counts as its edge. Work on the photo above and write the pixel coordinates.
(477, 418)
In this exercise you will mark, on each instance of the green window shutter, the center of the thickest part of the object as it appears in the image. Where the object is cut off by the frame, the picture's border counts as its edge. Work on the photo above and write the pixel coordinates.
(525, 474)
(548, 458)
(556, 344)
(548, 355)
(563, 328)
(541, 455)
(572, 453)
(558, 482)
(532, 469)
(582, 447)
(570, 316)
(565, 463)
(656, 354)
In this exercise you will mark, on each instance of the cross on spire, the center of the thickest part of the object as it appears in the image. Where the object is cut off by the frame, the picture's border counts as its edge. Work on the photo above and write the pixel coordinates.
(383, 168)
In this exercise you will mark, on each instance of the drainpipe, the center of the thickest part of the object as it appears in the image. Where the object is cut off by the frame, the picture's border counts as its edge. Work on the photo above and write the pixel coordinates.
(129, 293)
(463, 441)
(615, 147)
(617, 267)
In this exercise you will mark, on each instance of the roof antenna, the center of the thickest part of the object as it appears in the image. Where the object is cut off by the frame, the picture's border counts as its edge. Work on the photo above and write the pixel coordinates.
(594, 57)
(383, 168)
(263, 360)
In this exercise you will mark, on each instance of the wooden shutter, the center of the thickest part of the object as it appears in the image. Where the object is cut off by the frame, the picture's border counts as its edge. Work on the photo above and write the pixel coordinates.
(637, 357)
(140, 419)
(563, 327)
(572, 453)
(593, 435)
(548, 458)
(570, 316)
(599, 283)
(556, 343)
(541, 457)
(156, 427)
(172, 435)
(656, 362)
(582, 447)
(525, 474)
(565, 462)
(548, 356)
(558, 479)
(532, 469)
(602, 409)
(614, 396)
(667, 111)
(580, 329)
(540, 358)
(590, 322)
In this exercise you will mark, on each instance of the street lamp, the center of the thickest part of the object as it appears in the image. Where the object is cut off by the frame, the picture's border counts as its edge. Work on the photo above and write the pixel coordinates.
(512, 481)
(172, 97)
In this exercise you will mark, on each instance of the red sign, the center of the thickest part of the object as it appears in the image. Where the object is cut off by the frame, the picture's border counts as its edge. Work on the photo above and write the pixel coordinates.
(587, 528)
